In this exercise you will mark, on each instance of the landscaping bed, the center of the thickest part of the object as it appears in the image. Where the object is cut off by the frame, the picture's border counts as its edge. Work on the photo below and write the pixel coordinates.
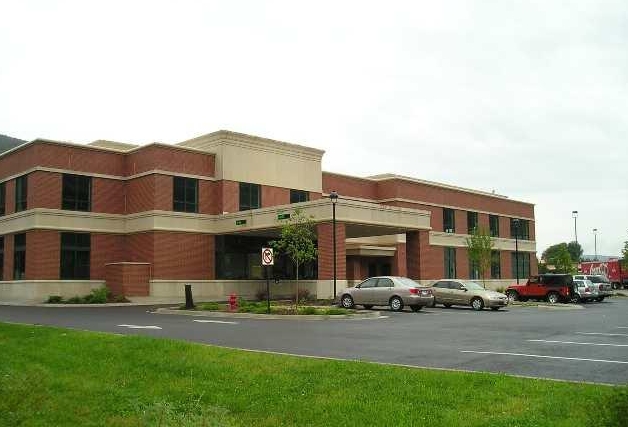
(276, 307)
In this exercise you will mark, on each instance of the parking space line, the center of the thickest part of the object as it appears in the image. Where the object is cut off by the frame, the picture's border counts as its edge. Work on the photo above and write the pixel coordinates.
(602, 333)
(223, 322)
(578, 343)
(540, 356)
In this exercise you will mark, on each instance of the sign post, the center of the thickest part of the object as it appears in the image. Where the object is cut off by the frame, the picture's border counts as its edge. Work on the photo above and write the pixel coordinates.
(267, 260)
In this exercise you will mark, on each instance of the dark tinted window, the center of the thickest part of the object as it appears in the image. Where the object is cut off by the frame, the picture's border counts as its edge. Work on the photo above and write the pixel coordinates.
(441, 284)
(298, 196)
(449, 221)
(524, 264)
(76, 192)
(385, 283)
(520, 228)
(472, 221)
(250, 196)
(19, 256)
(368, 283)
(75, 256)
(1, 257)
(21, 192)
(493, 221)
(2, 198)
(496, 269)
(185, 194)
(450, 263)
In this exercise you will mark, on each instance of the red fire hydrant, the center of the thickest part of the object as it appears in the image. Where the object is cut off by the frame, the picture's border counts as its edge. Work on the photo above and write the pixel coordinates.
(233, 302)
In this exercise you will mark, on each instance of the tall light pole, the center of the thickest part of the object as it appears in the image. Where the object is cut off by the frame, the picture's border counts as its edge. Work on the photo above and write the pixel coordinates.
(333, 196)
(516, 222)
(574, 214)
(595, 236)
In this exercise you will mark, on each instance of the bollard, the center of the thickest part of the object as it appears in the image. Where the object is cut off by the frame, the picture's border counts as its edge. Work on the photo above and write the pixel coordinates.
(189, 302)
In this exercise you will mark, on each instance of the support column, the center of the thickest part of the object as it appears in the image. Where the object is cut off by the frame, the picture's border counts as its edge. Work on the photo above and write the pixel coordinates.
(325, 252)
(413, 255)
(399, 261)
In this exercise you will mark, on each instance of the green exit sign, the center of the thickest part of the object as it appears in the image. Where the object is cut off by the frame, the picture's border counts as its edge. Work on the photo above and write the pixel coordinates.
(240, 222)
(283, 216)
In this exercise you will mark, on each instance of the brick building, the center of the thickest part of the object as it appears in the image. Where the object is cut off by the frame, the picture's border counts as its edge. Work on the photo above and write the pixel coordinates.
(144, 220)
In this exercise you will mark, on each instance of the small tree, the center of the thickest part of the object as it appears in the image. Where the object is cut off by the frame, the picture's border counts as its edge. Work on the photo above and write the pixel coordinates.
(625, 254)
(480, 248)
(575, 251)
(297, 242)
(561, 259)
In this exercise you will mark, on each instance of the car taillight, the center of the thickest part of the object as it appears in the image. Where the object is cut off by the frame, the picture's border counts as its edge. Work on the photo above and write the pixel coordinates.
(414, 291)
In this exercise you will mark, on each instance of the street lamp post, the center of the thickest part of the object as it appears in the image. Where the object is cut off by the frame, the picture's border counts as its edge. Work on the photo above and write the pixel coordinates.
(516, 222)
(574, 214)
(333, 196)
(595, 241)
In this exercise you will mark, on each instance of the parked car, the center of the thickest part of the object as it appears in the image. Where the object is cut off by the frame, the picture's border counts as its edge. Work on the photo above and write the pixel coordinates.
(393, 291)
(461, 292)
(550, 287)
(583, 291)
(600, 283)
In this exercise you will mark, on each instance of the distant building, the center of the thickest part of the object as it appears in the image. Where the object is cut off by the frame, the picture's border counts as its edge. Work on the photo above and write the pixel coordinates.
(145, 220)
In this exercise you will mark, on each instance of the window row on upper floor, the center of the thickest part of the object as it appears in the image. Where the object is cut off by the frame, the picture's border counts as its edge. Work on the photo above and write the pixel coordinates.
(519, 228)
(76, 194)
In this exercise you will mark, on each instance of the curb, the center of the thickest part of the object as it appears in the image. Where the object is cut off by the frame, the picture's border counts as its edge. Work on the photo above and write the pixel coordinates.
(113, 304)
(222, 314)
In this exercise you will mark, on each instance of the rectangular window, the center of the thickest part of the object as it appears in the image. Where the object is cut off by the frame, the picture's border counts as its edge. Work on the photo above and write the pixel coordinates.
(185, 194)
(1, 257)
(2, 198)
(472, 222)
(449, 221)
(493, 221)
(75, 255)
(523, 227)
(524, 264)
(19, 256)
(21, 192)
(298, 196)
(474, 270)
(250, 196)
(76, 194)
(450, 263)
(496, 269)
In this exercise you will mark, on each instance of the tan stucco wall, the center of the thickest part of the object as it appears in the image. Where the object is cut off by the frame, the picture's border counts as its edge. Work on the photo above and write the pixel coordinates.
(40, 290)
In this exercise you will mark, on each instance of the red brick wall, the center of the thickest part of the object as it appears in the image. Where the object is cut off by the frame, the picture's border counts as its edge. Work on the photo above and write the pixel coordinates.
(105, 248)
(483, 222)
(44, 190)
(424, 262)
(128, 279)
(461, 221)
(326, 254)
(140, 194)
(43, 249)
(18, 161)
(315, 196)
(208, 201)
(504, 227)
(184, 256)
(274, 196)
(506, 264)
(230, 200)
(413, 254)
(462, 263)
(170, 159)
(108, 195)
(9, 196)
(399, 261)
(347, 186)
(139, 247)
(163, 192)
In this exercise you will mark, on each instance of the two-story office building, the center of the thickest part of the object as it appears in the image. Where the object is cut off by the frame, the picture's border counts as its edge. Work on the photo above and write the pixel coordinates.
(145, 220)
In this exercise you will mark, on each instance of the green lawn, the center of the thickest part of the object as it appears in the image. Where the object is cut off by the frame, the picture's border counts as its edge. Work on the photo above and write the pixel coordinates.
(59, 377)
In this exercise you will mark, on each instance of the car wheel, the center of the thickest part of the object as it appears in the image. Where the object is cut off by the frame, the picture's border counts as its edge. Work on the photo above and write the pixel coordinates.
(368, 306)
(599, 299)
(477, 304)
(347, 301)
(553, 297)
(416, 308)
(576, 299)
(396, 304)
(512, 296)
(447, 305)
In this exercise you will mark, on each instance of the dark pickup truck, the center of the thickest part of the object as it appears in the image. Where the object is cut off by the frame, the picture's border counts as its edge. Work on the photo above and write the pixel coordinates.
(550, 287)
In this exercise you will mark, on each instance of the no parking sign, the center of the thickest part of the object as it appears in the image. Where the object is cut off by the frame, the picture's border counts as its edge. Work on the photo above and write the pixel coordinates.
(267, 256)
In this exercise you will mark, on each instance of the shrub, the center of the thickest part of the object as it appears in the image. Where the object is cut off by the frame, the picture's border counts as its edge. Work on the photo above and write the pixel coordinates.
(307, 310)
(304, 295)
(54, 299)
(98, 296)
(211, 306)
(120, 298)
(75, 300)
(335, 311)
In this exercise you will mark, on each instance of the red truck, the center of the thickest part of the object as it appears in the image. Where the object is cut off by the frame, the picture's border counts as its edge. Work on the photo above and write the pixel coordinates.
(612, 269)
(550, 287)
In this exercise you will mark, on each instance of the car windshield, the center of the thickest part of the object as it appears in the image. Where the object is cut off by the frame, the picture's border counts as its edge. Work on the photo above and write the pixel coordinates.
(598, 279)
(473, 286)
(405, 281)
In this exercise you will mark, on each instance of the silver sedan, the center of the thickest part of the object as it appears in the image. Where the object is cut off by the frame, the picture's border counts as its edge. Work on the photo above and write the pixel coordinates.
(393, 291)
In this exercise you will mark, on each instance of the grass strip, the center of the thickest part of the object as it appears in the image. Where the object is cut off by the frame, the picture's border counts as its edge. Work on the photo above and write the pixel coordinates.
(60, 377)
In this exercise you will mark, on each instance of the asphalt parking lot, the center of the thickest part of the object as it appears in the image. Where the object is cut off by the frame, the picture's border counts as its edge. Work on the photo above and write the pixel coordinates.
(578, 343)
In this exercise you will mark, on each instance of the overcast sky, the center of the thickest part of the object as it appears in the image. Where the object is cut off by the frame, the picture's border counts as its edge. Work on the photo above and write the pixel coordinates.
(527, 98)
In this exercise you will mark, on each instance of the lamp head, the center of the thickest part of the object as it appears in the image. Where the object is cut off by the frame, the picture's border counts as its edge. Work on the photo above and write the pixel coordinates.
(574, 214)
(333, 196)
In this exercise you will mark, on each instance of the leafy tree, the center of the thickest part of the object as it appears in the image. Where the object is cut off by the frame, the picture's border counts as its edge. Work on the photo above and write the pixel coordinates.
(552, 252)
(575, 251)
(297, 242)
(561, 259)
(625, 254)
(480, 246)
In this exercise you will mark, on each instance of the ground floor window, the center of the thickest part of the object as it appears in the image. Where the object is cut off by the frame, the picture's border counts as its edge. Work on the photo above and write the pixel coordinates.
(19, 256)
(239, 258)
(524, 264)
(450, 263)
(496, 270)
(474, 270)
(75, 255)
